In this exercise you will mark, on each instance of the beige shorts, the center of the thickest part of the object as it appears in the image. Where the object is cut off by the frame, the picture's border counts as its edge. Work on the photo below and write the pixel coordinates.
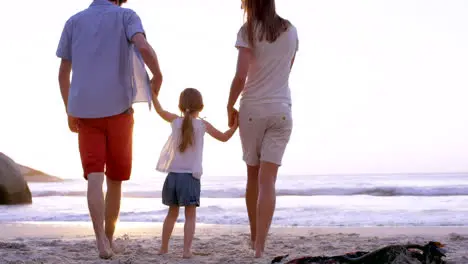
(265, 131)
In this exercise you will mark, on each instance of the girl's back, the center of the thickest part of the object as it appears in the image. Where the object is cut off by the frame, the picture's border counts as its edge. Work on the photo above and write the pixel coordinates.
(189, 161)
(181, 157)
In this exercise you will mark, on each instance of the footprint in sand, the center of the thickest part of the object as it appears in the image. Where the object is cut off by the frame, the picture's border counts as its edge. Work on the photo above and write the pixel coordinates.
(13, 245)
(456, 237)
(201, 254)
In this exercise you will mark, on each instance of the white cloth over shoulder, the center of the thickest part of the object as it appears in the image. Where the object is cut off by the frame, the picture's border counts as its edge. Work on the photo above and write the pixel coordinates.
(140, 79)
(190, 161)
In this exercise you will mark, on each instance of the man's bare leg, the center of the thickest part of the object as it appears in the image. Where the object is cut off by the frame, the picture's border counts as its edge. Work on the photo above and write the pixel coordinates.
(251, 197)
(96, 211)
(113, 199)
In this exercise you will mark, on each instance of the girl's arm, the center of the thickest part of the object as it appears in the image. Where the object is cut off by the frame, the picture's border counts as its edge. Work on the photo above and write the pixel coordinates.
(168, 116)
(215, 133)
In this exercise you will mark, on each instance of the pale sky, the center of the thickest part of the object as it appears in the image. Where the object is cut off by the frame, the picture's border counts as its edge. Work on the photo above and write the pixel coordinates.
(378, 86)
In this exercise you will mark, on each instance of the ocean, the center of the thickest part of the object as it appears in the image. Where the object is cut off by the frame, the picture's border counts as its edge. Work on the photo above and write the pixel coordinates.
(339, 200)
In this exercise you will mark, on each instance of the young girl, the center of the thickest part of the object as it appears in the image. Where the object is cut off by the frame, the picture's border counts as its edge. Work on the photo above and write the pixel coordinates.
(181, 158)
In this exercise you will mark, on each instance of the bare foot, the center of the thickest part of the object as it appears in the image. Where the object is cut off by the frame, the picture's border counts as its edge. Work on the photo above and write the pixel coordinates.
(104, 248)
(117, 248)
(187, 255)
(105, 255)
(252, 244)
(163, 251)
(259, 251)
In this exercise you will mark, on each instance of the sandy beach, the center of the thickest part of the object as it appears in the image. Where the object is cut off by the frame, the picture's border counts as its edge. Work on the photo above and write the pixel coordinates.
(73, 242)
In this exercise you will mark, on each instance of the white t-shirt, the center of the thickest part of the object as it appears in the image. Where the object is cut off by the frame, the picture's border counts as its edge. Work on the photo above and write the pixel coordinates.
(190, 161)
(268, 76)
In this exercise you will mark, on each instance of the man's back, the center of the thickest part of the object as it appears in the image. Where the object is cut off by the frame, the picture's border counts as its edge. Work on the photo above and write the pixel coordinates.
(97, 42)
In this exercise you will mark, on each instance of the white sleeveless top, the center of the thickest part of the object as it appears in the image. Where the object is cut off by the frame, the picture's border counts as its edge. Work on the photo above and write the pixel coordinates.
(190, 161)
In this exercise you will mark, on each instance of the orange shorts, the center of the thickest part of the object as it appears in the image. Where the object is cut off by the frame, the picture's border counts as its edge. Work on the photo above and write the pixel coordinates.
(106, 145)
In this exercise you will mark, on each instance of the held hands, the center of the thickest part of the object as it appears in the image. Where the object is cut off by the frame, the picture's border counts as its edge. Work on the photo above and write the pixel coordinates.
(155, 86)
(233, 117)
(235, 122)
(73, 124)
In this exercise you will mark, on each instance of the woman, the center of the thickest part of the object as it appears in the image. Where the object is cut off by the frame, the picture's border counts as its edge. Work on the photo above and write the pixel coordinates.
(267, 47)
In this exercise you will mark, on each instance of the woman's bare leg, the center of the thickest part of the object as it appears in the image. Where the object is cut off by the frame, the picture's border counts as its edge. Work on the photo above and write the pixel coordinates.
(251, 198)
(266, 204)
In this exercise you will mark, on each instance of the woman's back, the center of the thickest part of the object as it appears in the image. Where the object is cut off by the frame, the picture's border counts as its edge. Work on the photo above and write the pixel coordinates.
(268, 76)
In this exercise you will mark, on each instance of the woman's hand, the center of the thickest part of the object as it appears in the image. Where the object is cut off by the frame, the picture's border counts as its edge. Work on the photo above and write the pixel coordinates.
(235, 120)
(232, 116)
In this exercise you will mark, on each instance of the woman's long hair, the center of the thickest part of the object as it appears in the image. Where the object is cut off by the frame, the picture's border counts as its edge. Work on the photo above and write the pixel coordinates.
(263, 23)
(190, 102)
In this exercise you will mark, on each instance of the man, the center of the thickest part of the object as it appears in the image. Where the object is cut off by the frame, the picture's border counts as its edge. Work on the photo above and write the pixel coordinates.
(96, 45)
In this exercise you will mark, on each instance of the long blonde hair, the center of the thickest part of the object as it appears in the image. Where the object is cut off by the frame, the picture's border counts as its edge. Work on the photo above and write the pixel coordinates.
(190, 102)
(262, 21)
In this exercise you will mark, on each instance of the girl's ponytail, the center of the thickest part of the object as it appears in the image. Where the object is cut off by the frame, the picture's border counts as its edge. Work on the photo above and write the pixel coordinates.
(187, 131)
(190, 103)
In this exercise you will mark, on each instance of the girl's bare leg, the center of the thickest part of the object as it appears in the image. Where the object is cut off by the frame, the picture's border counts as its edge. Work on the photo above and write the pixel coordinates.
(168, 226)
(189, 229)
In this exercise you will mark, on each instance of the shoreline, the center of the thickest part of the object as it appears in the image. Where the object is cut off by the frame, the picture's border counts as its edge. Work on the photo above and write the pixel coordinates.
(65, 242)
(10, 230)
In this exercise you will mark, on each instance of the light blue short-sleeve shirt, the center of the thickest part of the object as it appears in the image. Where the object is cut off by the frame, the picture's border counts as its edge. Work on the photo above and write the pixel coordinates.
(97, 42)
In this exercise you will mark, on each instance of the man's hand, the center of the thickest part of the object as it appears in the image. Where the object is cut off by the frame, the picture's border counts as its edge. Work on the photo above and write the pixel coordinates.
(73, 124)
(155, 86)
(149, 56)
(232, 116)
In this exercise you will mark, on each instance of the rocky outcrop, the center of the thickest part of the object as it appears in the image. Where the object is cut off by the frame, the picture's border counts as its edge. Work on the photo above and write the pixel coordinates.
(13, 187)
(32, 175)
